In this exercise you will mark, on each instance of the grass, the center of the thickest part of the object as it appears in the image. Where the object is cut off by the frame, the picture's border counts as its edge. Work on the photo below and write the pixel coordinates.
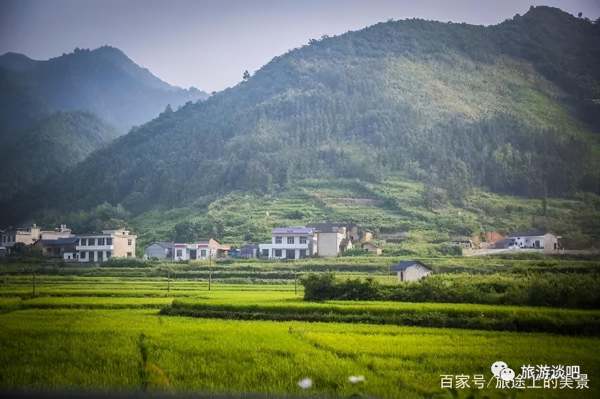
(101, 329)
(279, 302)
(483, 317)
(102, 350)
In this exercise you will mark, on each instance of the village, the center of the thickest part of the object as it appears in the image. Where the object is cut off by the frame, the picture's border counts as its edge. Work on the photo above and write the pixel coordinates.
(321, 240)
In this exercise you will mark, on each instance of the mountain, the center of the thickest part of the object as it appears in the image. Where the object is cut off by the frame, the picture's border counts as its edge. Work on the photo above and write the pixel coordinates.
(49, 148)
(510, 108)
(103, 81)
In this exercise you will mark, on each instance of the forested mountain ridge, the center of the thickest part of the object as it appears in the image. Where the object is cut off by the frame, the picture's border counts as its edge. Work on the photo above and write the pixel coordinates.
(49, 148)
(509, 107)
(103, 81)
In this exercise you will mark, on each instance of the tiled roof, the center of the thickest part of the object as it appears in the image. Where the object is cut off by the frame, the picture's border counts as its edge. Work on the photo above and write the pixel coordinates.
(405, 264)
(293, 230)
(528, 233)
(59, 241)
(164, 244)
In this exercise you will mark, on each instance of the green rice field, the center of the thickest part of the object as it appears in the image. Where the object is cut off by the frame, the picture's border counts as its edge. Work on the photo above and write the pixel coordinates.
(80, 331)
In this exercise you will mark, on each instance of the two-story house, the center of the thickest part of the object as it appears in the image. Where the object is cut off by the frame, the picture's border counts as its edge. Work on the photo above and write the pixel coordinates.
(290, 243)
(97, 248)
(201, 250)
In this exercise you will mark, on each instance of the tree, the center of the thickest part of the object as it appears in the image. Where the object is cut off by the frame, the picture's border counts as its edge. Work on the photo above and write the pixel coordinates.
(246, 75)
(168, 110)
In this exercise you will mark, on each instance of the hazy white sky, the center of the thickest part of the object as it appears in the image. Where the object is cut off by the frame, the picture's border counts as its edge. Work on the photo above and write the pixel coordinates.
(209, 43)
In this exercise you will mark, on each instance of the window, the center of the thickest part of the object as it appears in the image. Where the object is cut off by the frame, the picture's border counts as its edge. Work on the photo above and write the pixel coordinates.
(265, 253)
(179, 253)
(83, 242)
(203, 253)
(108, 254)
(129, 254)
(82, 255)
(91, 241)
(109, 241)
(129, 242)
(278, 239)
(278, 253)
(100, 256)
(100, 241)
(303, 253)
(303, 240)
(290, 240)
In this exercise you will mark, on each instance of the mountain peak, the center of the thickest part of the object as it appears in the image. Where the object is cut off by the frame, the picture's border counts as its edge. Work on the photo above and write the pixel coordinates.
(15, 61)
(547, 14)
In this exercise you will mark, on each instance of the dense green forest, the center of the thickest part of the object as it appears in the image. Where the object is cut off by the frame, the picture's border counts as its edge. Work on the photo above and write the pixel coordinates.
(54, 113)
(509, 108)
(103, 81)
(50, 148)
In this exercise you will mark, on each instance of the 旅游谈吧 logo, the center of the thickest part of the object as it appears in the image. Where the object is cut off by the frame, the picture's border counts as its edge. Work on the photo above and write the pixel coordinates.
(541, 376)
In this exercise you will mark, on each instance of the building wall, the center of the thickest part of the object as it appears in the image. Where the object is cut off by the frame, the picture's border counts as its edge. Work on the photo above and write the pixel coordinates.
(121, 247)
(551, 243)
(529, 242)
(53, 235)
(310, 247)
(156, 251)
(180, 253)
(328, 244)
(413, 273)
(547, 242)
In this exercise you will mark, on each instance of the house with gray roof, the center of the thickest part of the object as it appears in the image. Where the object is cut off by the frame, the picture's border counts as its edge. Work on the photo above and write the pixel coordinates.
(162, 250)
(411, 270)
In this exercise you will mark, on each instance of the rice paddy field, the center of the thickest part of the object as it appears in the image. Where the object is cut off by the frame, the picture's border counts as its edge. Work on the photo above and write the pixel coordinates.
(135, 330)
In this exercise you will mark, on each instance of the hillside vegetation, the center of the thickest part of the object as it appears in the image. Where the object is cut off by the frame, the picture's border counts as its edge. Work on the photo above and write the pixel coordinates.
(103, 81)
(427, 221)
(50, 148)
(454, 107)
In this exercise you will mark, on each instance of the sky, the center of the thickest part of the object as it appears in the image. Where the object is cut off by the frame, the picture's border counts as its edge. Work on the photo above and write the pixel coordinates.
(209, 43)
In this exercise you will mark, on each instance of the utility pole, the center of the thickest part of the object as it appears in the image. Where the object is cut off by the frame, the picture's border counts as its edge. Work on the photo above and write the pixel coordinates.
(209, 268)
(168, 280)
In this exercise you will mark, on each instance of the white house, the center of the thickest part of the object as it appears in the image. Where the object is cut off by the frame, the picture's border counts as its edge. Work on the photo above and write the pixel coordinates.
(98, 248)
(290, 243)
(210, 249)
(534, 239)
(411, 270)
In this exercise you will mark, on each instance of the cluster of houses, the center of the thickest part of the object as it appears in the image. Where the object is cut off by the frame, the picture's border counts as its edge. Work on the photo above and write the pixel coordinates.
(493, 241)
(287, 243)
(63, 244)
(317, 240)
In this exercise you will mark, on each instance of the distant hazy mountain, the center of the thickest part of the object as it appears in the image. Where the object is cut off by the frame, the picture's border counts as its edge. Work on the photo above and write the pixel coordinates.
(512, 108)
(50, 148)
(102, 81)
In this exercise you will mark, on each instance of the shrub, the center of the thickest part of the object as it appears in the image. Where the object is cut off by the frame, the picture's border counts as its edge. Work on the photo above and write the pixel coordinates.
(356, 252)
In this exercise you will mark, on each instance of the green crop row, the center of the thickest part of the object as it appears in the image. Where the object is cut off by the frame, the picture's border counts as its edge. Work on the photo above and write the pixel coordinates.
(447, 315)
